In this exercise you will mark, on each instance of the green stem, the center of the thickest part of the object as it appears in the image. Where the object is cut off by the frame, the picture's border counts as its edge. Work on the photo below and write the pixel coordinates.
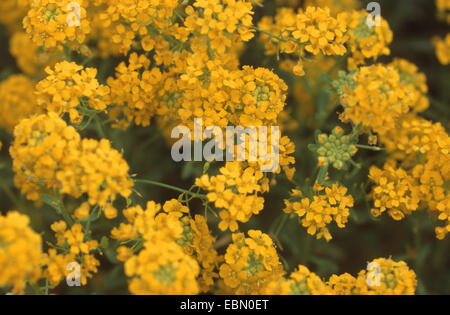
(89, 220)
(368, 147)
(268, 33)
(151, 182)
(101, 129)
(281, 225)
(62, 210)
(46, 286)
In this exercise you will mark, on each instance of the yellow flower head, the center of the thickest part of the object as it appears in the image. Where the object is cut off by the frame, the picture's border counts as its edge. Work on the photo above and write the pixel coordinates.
(30, 59)
(329, 204)
(54, 23)
(300, 282)
(395, 278)
(312, 31)
(377, 99)
(366, 42)
(162, 268)
(17, 101)
(20, 252)
(235, 190)
(69, 86)
(250, 263)
(48, 155)
(443, 49)
(13, 12)
(395, 192)
(416, 81)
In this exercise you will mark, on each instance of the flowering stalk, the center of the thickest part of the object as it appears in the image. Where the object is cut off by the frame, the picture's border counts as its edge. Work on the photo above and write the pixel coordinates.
(184, 191)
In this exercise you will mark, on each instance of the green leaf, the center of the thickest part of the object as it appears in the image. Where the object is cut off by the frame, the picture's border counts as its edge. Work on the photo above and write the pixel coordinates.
(326, 78)
(322, 174)
(104, 242)
(313, 147)
(206, 167)
(49, 200)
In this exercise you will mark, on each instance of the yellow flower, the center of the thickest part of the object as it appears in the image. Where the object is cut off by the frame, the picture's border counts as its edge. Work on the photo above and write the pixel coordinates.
(235, 190)
(48, 155)
(385, 277)
(395, 192)
(53, 23)
(250, 263)
(69, 86)
(172, 226)
(422, 149)
(366, 42)
(443, 7)
(76, 249)
(443, 49)
(30, 59)
(415, 80)
(133, 91)
(120, 25)
(312, 31)
(330, 204)
(13, 12)
(344, 284)
(20, 252)
(162, 268)
(378, 99)
(300, 282)
(17, 101)
(220, 21)
(336, 6)
(395, 279)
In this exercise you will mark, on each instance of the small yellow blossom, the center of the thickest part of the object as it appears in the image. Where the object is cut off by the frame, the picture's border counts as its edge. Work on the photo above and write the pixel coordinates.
(250, 263)
(20, 252)
(330, 204)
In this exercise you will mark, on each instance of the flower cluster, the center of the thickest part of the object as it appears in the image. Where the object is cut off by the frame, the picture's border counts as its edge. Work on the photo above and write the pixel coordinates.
(73, 248)
(443, 7)
(414, 80)
(365, 41)
(235, 191)
(443, 49)
(91, 76)
(12, 13)
(336, 149)
(384, 277)
(312, 31)
(336, 6)
(68, 86)
(223, 19)
(123, 25)
(394, 192)
(328, 204)
(17, 101)
(250, 263)
(377, 100)
(30, 59)
(20, 252)
(300, 282)
(49, 156)
(421, 148)
(183, 242)
(54, 23)
(132, 91)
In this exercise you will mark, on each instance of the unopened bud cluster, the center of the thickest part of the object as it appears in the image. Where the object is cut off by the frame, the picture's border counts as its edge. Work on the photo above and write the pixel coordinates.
(344, 80)
(336, 149)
